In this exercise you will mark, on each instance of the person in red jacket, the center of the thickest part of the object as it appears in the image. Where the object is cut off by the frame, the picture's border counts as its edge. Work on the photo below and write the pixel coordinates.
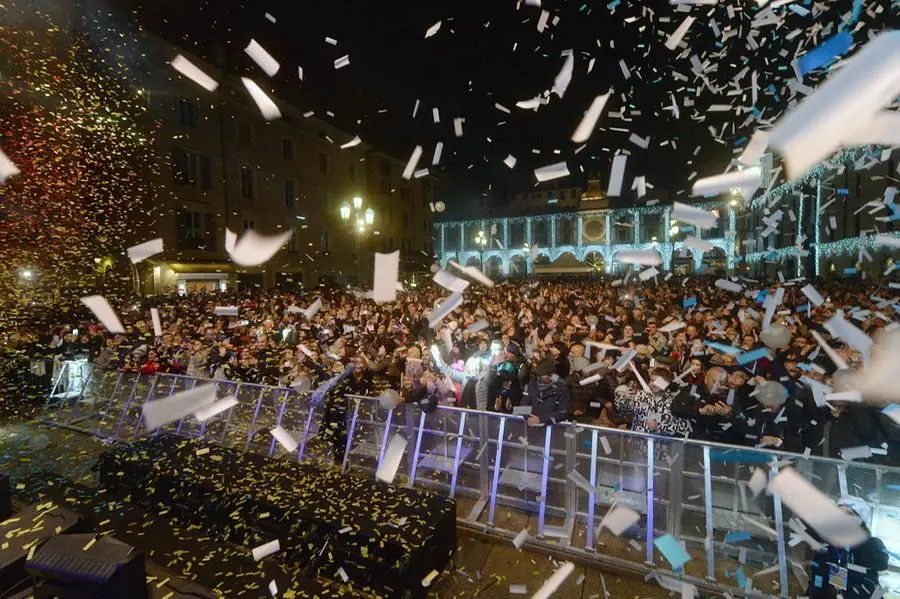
(151, 366)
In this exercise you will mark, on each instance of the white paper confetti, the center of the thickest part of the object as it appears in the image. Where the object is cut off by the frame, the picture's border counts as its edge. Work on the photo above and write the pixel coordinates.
(387, 270)
(617, 175)
(142, 251)
(160, 412)
(393, 455)
(208, 411)
(695, 216)
(266, 549)
(552, 171)
(104, 313)
(266, 106)
(287, 441)
(189, 70)
(589, 121)
(838, 528)
(845, 103)
(554, 582)
(433, 30)
(411, 164)
(262, 58)
(253, 249)
(157, 325)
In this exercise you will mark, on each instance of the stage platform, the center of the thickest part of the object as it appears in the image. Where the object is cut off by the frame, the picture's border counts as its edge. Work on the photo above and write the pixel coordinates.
(380, 538)
(484, 566)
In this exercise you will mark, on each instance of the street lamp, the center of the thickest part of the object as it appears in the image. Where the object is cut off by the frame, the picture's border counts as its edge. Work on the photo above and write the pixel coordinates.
(361, 220)
(481, 241)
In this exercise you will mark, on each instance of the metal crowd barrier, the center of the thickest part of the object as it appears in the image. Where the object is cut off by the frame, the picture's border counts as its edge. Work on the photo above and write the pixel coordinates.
(507, 476)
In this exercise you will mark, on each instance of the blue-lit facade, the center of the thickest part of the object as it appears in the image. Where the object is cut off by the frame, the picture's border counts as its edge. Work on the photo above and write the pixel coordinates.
(515, 244)
(843, 191)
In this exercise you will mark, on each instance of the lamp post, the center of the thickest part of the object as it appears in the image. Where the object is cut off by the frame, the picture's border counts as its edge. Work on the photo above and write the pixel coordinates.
(361, 220)
(481, 241)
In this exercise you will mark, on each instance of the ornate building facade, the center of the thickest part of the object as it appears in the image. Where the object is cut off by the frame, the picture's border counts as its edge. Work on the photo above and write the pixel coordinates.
(519, 245)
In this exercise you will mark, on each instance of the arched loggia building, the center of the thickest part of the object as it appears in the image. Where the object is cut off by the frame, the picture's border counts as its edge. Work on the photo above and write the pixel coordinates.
(515, 244)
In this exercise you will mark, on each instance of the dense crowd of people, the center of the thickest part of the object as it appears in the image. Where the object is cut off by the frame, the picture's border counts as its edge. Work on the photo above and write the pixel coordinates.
(684, 358)
(661, 357)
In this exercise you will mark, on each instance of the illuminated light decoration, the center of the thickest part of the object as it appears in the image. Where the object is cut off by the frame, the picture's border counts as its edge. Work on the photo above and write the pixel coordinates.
(584, 248)
(846, 156)
(842, 247)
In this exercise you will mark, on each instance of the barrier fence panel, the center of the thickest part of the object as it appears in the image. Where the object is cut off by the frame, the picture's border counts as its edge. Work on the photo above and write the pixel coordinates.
(372, 431)
(255, 415)
(557, 482)
(435, 457)
(108, 408)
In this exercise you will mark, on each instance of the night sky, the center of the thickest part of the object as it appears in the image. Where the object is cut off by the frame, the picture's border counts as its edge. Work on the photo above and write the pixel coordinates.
(491, 52)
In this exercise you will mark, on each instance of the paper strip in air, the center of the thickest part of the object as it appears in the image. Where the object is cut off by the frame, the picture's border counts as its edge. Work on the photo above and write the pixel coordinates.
(267, 107)
(387, 270)
(159, 412)
(390, 463)
(157, 325)
(747, 180)
(617, 175)
(192, 72)
(262, 58)
(552, 171)
(838, 528)
(253, 249)
(104, 313)
(411, 164)
(818, 126)
(589, 120)
(142, 251)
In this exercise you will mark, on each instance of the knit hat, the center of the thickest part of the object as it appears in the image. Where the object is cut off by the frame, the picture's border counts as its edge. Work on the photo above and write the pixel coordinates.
(513, 348)
(545, 367)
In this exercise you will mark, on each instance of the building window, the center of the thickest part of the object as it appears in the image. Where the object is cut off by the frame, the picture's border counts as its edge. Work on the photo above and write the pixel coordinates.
(248, 183)
(384, 168)
(404, 195)
(323, 162)
(289, 194)
(287, 149)
(323, 241)
(195, 230)
(191, 169)
(405, 219)
(249, 225)
(292, 243)
(385, 187)
(187, 113)
(245, 133)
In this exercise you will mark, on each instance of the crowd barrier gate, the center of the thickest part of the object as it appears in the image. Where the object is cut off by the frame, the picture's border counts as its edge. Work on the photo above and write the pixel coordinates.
(555, 481)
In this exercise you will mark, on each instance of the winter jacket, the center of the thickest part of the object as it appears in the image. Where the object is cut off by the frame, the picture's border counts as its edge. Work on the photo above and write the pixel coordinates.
(550, 403)
(830, 564)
